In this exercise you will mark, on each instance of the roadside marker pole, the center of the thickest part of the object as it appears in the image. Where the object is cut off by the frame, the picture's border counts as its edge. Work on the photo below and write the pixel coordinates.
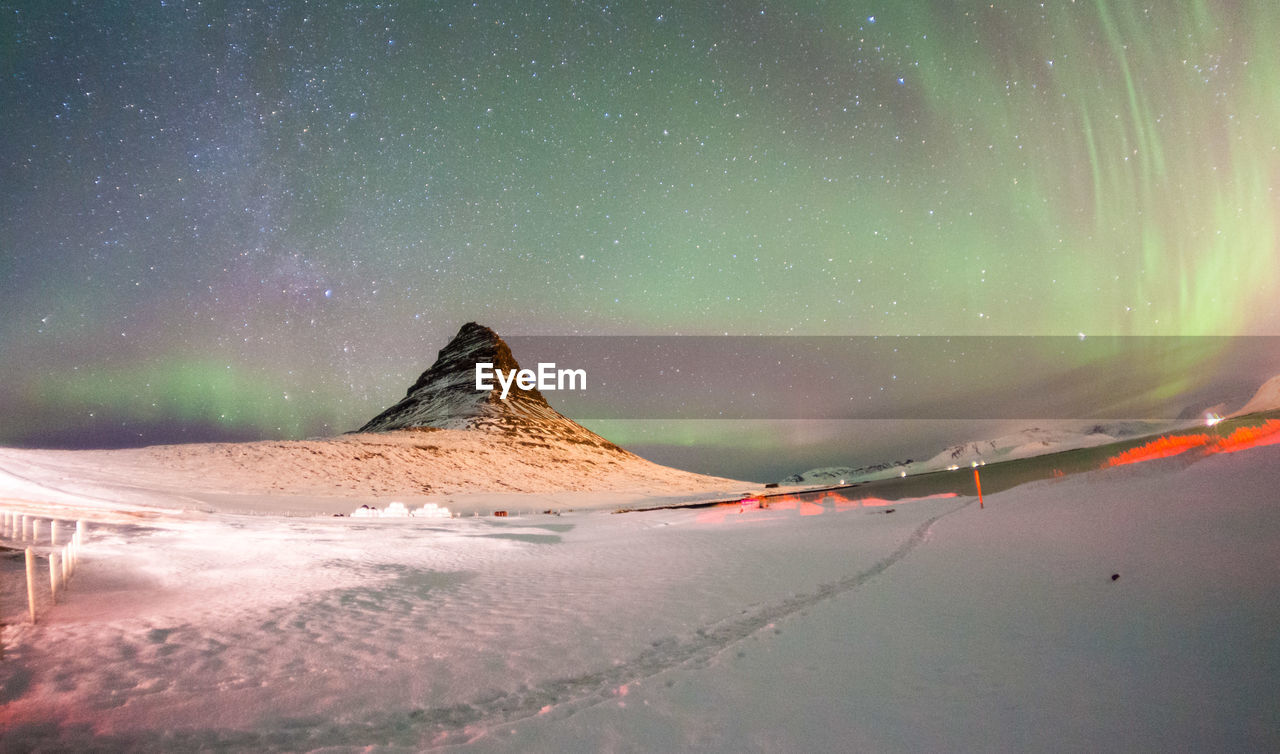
(978, 483)
(53, 575)
(31, 583)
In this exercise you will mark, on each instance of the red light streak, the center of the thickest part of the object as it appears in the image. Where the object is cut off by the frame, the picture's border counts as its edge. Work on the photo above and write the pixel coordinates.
(1241, 439)
(759, 509)
(811, 509)
(1163, 447)
(1249, 437)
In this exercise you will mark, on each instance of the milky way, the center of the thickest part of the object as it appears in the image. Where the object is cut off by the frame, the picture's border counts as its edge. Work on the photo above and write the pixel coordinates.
(264, 221)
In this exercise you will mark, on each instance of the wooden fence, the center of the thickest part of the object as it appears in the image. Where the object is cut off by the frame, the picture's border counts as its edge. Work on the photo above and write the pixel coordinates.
(49, 539)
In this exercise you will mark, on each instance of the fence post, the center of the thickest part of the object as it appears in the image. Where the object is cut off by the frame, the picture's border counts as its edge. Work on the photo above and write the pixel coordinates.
(53, 575)
(79, 537)
(31, 583)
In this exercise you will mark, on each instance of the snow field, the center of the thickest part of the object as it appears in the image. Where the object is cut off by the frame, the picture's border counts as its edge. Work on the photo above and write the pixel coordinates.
(938, 626)
(241, 625)
(1003, 631)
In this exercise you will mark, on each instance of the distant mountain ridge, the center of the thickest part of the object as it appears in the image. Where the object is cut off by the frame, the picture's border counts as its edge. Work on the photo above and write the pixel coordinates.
(1025, 443)
(844, 474)
(1266, 399)
(1033, 441)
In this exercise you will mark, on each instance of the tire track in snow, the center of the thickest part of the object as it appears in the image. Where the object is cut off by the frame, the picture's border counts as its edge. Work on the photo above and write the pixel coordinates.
(556, 699)
(566, 696)
(561, 698)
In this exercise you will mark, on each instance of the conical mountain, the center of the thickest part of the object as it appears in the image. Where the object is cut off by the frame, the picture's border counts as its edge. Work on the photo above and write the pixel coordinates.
(445, 396)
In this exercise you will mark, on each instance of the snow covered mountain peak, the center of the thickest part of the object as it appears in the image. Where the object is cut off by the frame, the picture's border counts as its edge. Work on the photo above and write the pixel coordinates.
(445, 396)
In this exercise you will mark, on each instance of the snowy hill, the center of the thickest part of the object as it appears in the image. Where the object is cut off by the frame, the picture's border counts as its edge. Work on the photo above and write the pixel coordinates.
(843, 474)
(1026, 443)
(1032, 441)
(1266, 399)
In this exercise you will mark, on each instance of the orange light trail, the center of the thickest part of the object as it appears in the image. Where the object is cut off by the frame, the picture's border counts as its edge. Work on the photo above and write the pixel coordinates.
(1242, 438)
(1249, 437)
(1163, 447)
(764, 508)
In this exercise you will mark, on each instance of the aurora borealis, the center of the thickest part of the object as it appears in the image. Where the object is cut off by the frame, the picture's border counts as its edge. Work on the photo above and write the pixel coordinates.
(264, 221)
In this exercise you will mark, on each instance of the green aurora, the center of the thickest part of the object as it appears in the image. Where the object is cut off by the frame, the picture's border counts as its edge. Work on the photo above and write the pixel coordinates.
(263, 222)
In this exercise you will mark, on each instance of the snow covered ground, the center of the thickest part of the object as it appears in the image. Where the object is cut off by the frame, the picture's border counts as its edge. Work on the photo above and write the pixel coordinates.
(467, 471)
(922, 625)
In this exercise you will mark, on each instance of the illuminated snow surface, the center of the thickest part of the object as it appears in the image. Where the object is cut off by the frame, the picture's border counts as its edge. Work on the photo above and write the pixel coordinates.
(937, 626)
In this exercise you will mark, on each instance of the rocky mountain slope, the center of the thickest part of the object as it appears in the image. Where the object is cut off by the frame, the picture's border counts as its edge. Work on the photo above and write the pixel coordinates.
(445, 397)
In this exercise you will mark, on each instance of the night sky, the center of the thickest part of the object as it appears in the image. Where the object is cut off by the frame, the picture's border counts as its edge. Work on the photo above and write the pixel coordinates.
(264, 221)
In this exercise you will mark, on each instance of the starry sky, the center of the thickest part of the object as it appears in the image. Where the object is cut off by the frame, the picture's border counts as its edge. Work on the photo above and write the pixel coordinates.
(263, 221)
